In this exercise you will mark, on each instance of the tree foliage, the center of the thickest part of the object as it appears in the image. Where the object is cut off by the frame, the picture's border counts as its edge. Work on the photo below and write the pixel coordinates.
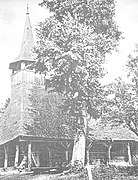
(71, 48)
(122, 105)
(3, 109)
(47, 119)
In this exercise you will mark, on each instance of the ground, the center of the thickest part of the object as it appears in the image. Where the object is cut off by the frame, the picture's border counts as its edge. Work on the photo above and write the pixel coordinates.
(25, 177)
(21, 176)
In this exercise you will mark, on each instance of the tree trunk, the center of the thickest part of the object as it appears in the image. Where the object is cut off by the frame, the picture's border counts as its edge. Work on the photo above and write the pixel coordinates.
(79, 149)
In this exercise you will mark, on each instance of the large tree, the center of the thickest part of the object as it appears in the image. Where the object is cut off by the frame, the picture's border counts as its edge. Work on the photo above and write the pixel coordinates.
(71, 49)
(121, 107)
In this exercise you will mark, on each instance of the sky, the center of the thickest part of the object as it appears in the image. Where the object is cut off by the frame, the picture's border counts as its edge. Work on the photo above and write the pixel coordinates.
(12, 20)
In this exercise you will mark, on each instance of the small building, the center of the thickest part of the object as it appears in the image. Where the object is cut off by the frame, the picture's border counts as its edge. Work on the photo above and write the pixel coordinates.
(113, 145)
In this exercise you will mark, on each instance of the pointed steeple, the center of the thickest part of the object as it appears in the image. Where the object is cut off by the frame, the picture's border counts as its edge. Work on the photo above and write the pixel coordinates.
(27, 41)
(27, 45)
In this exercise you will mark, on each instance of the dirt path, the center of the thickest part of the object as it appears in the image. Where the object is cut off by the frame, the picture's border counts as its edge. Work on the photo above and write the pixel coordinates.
(25, 177)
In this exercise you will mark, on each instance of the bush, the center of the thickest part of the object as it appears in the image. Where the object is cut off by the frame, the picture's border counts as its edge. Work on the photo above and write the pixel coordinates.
(110, 173)
(79, 176)
(99, 173)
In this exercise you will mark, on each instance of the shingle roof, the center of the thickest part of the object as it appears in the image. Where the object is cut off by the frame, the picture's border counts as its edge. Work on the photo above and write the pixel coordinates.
(27, 41)
(115, 133)
(16, 115)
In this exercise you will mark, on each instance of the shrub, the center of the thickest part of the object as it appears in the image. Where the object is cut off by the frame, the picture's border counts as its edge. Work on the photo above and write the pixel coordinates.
(108, 173)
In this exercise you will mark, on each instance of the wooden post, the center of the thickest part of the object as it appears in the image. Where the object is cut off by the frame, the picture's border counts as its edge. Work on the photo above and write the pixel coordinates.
(129, 153)
(109, 153)
(29, 155)
(6, 157)
(67, 156)
(50, 157)
(16, 155)
(22, 65)
(37, 158)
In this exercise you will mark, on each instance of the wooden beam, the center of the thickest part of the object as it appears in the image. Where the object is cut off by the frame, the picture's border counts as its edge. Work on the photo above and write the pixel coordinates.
(16, 161)
(34, 160)
(40, 139)
(37, 158)
(129, 154)
(29, 155)
(50, 157)
(67, 156)
(6, 157)
(109, 153)
(89, 146)
(68, 144)
(64, 145)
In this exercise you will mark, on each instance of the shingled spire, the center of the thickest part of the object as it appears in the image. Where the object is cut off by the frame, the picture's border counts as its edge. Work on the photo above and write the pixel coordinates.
(26, 55)
(28, 40)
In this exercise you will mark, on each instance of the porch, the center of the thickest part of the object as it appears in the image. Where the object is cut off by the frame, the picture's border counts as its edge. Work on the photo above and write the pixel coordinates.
(29, 152)
(117, 152)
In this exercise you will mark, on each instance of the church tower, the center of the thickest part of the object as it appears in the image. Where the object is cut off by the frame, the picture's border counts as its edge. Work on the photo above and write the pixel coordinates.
(22, 81)
(16, 145)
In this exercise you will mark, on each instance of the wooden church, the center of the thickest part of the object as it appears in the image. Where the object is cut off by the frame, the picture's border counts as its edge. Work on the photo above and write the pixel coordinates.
(15, 144)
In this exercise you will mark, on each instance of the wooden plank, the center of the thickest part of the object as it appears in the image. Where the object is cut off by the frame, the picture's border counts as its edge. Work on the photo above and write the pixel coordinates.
(44, 168)
(40, 140)
(43, 139)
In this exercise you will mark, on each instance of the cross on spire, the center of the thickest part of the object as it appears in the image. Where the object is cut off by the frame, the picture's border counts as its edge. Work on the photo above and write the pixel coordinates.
(27, 12)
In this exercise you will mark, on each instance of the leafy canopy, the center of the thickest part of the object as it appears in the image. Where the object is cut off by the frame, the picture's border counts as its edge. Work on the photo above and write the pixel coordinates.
(71, 48)
(47, 119)
(122, 106)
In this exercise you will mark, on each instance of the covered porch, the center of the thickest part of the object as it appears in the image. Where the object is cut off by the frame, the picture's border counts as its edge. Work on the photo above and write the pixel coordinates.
(117, 152)
(32, 152)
